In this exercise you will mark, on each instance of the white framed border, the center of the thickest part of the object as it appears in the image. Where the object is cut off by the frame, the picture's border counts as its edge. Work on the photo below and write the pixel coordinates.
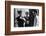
(25, 28)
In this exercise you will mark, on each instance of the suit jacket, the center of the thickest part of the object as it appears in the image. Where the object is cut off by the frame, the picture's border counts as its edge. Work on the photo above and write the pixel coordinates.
(20, 21)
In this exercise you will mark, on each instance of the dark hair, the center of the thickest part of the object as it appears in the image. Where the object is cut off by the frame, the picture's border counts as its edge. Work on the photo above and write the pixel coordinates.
(35, 10)
(19, 12)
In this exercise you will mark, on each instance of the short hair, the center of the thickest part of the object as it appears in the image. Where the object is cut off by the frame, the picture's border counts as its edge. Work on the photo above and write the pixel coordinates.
(35, 10)
(19, 12)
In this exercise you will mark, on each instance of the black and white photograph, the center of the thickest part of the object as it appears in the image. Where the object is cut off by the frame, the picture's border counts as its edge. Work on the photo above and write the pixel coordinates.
(24, 17)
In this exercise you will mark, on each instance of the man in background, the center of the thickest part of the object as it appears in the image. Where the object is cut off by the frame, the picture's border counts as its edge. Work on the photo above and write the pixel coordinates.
(27, 19)
(36, 19)
(31, 16)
